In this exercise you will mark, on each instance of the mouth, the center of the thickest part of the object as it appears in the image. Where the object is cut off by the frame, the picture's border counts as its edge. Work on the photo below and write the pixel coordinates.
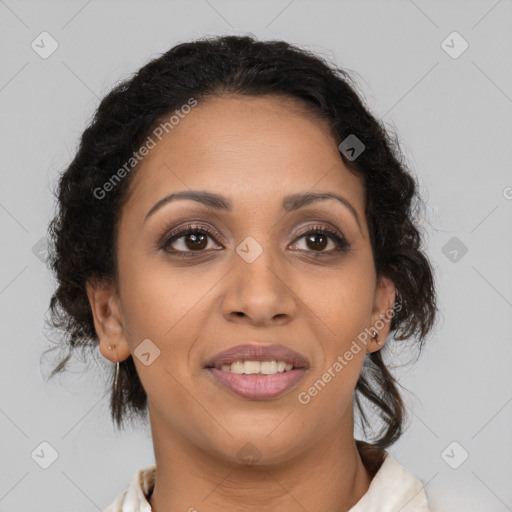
(258, 372)
(252, 358)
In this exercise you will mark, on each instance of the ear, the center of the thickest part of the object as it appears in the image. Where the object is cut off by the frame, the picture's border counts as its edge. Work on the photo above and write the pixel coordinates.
(382, 313)
(108, 319)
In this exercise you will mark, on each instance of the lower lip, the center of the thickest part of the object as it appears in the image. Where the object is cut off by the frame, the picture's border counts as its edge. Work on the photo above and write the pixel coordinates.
(258, 387)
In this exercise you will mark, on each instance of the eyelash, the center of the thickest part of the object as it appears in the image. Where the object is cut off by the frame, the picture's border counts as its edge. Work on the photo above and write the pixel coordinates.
(341, 244)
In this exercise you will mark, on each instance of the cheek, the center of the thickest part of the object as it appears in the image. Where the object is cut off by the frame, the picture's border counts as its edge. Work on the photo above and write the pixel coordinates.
(163, 317)
(341, 313)
(342, 298)
(170, 308)
(157, 297)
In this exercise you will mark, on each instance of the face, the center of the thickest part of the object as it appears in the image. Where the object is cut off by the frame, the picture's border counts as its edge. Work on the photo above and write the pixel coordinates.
(251, 273)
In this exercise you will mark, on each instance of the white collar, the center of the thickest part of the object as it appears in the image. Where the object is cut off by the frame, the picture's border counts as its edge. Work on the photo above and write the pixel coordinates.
(393, 488)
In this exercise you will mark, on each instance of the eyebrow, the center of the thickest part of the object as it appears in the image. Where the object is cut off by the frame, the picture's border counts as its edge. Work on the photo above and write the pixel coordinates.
(290, 203)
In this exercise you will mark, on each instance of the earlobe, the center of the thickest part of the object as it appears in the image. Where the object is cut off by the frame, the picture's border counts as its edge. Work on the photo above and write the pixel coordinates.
(108, 319)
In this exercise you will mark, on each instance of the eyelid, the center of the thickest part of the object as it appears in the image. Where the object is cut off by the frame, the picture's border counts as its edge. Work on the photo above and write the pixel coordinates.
(328, 215)
(336, 235)
(200, 224)
(321, 224)
(182, 229)
(176, 233)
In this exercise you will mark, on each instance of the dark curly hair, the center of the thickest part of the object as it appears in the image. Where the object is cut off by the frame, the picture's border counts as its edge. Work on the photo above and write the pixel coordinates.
(82, 236)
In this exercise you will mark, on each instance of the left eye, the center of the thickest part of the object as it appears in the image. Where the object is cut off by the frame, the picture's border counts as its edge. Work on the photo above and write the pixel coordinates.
(316, 240)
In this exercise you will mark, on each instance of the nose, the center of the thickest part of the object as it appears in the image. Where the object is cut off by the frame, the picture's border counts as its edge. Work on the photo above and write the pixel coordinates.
(259, 292)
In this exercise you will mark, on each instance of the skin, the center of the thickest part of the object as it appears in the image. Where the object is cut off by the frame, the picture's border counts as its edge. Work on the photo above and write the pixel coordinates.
(254, 151)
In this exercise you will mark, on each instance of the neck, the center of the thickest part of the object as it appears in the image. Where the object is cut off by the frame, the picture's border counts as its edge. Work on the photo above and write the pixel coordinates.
(330, 476)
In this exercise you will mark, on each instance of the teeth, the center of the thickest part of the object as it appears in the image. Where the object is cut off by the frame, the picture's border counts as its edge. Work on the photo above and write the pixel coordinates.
(252, 367)
(255, 367)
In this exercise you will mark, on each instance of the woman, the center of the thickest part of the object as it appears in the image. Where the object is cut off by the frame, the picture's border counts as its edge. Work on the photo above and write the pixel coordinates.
(236, 234)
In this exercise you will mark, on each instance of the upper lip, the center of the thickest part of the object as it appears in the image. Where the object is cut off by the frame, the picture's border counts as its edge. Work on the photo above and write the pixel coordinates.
(254, 352)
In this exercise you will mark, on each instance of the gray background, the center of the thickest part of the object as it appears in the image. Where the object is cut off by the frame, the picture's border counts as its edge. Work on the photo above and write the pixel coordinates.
(453, 119)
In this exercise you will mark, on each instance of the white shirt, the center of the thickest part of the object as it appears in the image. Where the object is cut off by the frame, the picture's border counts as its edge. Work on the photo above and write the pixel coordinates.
(392, 489)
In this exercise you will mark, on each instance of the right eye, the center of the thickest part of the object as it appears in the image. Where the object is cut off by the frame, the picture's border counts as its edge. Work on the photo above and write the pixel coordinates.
(188, 240)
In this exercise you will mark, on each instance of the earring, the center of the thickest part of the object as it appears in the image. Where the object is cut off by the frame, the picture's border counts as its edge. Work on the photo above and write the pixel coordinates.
(375, 338)
(116, 378)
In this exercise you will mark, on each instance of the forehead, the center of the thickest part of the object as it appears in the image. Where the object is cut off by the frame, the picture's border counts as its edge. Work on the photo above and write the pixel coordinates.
(250, 147)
